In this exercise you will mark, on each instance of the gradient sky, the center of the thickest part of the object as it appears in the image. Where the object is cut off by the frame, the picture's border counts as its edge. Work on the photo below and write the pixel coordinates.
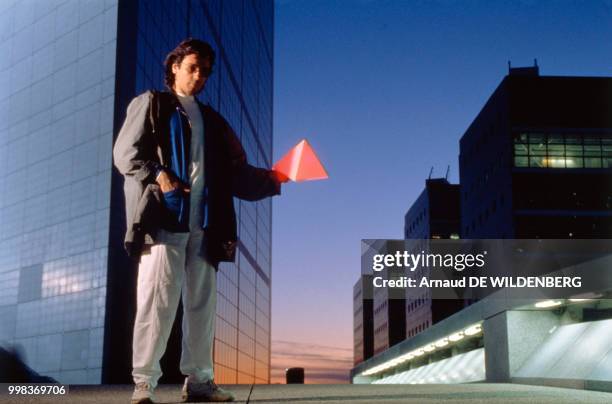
(383, 90)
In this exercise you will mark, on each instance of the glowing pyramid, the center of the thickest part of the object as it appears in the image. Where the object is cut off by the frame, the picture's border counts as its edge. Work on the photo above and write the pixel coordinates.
(301, 164)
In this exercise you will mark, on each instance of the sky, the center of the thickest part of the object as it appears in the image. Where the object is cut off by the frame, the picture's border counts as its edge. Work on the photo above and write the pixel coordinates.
(383, 91)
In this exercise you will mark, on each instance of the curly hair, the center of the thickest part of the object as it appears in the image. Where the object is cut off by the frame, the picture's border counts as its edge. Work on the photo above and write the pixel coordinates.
(187, 47)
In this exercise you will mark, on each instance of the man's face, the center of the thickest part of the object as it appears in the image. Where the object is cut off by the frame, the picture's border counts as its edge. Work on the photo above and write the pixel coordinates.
(191, 74)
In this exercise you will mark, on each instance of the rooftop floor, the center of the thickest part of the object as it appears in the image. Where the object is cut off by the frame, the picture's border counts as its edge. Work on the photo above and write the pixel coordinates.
(345, 393)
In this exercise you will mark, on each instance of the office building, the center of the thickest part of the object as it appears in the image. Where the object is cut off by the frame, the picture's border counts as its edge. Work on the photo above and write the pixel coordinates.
(434, 215)
(537, 160)
(436, 212)
(363, 322)
(68, 71)
(389, 312)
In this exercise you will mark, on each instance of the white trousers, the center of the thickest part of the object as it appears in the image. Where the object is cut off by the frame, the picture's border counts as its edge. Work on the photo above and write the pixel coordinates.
(174, 265)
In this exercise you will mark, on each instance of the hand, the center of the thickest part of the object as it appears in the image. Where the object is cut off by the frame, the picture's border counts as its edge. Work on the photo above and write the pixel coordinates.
(280, 177)
(168, 182)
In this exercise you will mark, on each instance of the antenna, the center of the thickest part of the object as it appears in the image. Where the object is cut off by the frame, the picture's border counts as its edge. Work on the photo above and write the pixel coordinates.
(535, 62)
(509, 66)
(447, 171)
(430, 172)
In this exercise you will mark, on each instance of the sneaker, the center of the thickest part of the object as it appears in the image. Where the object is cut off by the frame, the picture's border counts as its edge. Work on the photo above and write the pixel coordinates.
(204, 392)
(143, 394)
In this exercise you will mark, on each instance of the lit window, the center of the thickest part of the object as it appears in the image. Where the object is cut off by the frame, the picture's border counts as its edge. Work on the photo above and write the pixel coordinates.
(590, 162)
(537, 149)
(520, 149)
(562, 151)
(573, 150)
(520, 161)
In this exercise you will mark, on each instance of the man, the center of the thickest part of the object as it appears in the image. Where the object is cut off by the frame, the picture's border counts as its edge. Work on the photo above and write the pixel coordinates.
(182, 165)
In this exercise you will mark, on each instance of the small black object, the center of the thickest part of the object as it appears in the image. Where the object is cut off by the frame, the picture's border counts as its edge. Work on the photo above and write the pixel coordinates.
(294, 375)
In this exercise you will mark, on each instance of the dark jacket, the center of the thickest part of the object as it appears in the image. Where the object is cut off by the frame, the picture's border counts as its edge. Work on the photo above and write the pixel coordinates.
(142, 148)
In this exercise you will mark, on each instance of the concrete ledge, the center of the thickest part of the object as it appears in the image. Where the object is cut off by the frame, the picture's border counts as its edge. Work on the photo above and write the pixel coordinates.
(596, 385)
(599, 385)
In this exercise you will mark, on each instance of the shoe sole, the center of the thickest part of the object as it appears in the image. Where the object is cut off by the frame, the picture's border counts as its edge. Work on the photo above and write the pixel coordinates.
(143, 401)
(200, 399)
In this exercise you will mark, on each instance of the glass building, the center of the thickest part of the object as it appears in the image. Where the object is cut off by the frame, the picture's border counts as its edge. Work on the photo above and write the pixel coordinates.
(68, 71)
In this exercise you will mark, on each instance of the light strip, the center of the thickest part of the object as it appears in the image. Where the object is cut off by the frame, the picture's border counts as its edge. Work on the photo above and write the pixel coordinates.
(548, 303)
(456, 336)
(472, 330)
(441, 342)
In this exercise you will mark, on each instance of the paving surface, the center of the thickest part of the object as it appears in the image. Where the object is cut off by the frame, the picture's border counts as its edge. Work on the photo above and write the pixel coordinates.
(344, 393)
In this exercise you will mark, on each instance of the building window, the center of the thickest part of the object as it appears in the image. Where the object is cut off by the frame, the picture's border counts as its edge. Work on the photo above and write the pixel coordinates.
(554, 150)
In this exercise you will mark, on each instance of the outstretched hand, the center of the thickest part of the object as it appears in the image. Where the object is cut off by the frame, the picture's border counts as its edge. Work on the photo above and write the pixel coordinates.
(280, 177)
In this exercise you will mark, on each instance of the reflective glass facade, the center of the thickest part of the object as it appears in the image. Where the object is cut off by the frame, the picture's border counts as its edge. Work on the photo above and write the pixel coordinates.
(240, 88)
(57, 85)
(68, 71)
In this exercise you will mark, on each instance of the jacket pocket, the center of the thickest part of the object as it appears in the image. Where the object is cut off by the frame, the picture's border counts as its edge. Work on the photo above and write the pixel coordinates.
(175, 204)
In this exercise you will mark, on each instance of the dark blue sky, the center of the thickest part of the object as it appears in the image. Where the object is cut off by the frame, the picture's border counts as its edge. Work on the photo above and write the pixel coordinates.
(384, 90)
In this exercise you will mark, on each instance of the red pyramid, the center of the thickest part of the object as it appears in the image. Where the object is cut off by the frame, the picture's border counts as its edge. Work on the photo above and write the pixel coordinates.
(301, 164)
